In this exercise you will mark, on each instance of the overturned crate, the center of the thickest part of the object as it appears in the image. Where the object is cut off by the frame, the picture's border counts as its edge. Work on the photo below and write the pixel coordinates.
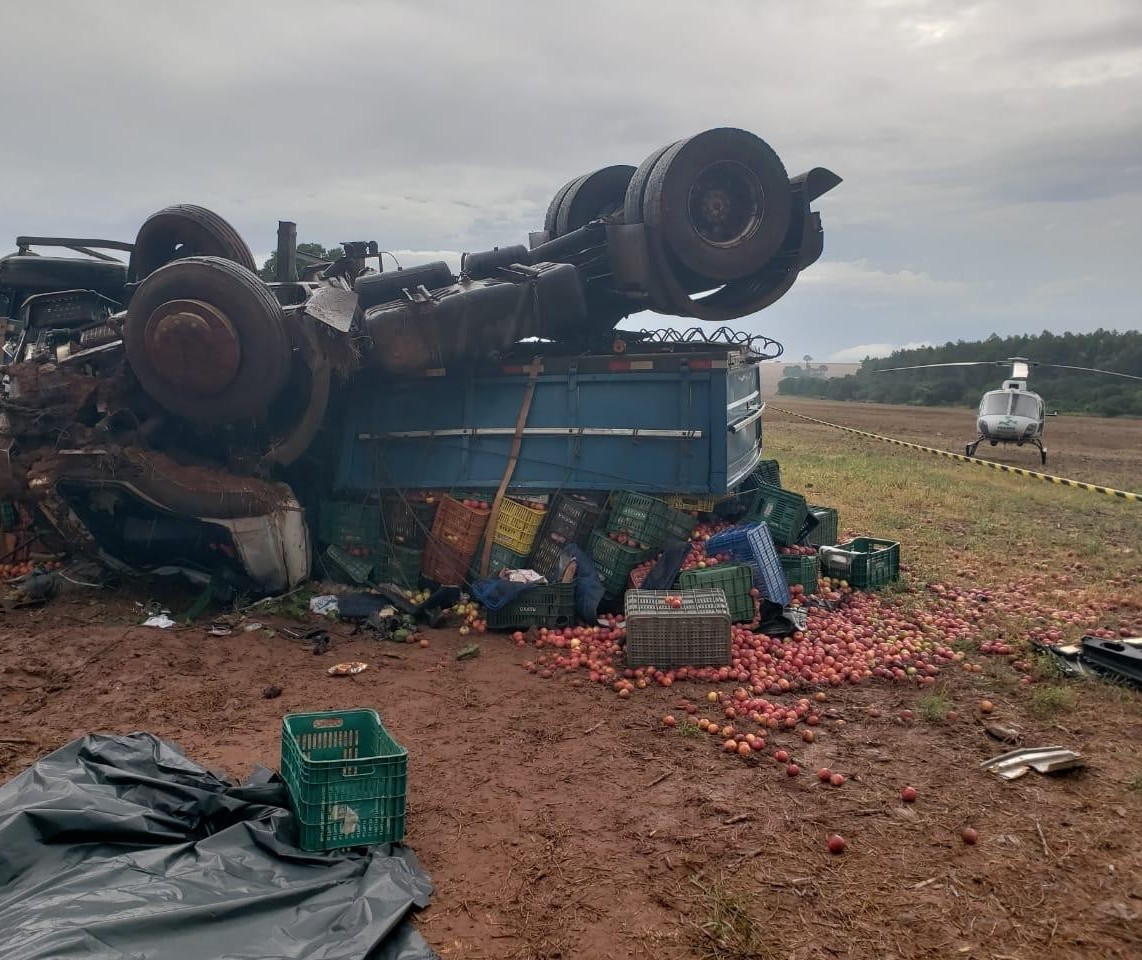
(697, 632)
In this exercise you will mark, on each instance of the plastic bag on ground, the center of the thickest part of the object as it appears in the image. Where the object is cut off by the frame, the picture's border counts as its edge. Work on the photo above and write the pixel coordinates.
(122, 847)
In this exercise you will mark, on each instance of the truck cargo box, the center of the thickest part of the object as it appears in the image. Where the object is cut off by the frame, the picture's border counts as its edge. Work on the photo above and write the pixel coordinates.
(686, 421)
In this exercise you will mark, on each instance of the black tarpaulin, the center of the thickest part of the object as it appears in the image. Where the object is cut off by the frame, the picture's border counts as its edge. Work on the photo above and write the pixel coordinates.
(122, 847)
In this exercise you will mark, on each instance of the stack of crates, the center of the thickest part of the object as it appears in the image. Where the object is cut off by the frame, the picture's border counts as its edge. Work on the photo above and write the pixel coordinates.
(347, 779)
(456, 534)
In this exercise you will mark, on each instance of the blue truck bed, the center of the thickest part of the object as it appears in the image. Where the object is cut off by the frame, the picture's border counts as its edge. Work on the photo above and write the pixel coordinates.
(686, 421)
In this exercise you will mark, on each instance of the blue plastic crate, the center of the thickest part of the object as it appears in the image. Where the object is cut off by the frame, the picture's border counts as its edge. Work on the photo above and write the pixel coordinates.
(752, 543)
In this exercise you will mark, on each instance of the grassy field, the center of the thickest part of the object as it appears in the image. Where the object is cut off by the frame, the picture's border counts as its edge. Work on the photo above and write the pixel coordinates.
(957, 520)
(560, 821)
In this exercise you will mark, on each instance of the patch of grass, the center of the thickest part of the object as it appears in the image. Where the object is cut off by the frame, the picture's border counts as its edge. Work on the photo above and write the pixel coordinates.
(687, 729)
(955, 522)
(1046, 702)
(1044, 666)
(725, 929)
(933, 707)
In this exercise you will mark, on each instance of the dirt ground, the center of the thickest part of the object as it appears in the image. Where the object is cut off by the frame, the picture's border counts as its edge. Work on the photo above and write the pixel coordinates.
(559, 821)
(1091, 449)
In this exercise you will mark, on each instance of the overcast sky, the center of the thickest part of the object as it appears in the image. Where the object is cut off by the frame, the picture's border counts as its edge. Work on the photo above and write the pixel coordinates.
(991, 152)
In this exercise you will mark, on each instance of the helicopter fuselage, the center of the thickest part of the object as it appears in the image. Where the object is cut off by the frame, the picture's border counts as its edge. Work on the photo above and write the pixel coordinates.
(1013, 414)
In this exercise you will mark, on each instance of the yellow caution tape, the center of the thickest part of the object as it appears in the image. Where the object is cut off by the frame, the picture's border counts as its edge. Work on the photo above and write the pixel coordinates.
(1002, 467)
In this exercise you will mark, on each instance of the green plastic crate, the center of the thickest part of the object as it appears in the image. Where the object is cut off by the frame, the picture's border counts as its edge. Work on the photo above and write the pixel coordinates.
(735, 580)
(350, 525)
(644, 519)
(864, 562)
(400, 565)
(347, 779)
(501, 558)
(348, 569)
(613, 561)
(550, 605)
(679, 524)
(783, 511)
(801, 570)
(824, 534)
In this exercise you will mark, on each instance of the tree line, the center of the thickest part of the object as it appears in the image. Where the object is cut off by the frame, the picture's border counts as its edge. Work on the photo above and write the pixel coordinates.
(1063, 390)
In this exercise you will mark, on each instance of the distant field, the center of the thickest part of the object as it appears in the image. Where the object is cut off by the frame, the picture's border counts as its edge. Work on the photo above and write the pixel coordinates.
(1092, 449)
(771, 373)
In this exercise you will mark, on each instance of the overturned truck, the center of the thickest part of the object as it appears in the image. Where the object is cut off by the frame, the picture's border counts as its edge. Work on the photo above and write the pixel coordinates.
(163, 404)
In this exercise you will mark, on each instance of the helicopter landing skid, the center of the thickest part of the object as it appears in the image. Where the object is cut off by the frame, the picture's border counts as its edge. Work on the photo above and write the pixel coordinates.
(970, 448)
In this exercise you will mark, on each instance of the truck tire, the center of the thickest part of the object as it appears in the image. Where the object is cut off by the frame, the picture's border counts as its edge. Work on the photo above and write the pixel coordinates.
(377, 288)
(207, 340)
(591, 197)
(185, 230)
(632, 202)
(484, 264)
(30, 274)
(720, 201)
(549, 219)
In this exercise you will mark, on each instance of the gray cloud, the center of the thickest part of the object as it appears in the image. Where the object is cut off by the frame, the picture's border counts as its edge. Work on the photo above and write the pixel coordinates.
(989, 149)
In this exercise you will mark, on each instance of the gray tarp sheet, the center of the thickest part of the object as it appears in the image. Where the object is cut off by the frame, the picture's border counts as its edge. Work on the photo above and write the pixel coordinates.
(121, 847)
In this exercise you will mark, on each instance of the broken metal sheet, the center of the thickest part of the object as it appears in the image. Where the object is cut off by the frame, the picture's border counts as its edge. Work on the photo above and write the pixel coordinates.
(1121, 658)
(1068, 658)
(333, 306)
(1013, 765)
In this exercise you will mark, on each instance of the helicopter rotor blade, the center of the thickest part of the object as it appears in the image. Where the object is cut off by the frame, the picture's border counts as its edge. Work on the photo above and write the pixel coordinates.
(1110, 373)
(961, 363)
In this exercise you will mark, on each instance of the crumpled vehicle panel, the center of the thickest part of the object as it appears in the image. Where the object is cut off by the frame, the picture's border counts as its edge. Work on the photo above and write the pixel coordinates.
(122, 848)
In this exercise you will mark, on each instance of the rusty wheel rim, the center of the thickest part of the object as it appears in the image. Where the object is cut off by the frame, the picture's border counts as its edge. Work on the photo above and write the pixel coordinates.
(192, 345)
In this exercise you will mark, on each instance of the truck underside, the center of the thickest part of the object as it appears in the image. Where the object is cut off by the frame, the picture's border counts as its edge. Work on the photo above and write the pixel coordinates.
(159, 413)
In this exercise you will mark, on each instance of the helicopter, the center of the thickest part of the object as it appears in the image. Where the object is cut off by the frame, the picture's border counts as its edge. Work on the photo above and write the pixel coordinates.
(1013, 413)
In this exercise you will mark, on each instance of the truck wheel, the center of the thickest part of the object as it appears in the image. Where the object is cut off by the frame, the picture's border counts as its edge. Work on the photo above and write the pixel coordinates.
(721, 201)
(207, 340)
(552, 215)
(182, 231)
(592, 197)
(636, 189)
(377, 288)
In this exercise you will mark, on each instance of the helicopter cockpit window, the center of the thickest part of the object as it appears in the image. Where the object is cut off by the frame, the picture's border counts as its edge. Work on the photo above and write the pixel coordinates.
(993, 405)
(1025, 406)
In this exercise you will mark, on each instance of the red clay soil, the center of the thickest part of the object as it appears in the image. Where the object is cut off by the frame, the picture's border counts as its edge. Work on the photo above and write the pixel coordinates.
(562, 822)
